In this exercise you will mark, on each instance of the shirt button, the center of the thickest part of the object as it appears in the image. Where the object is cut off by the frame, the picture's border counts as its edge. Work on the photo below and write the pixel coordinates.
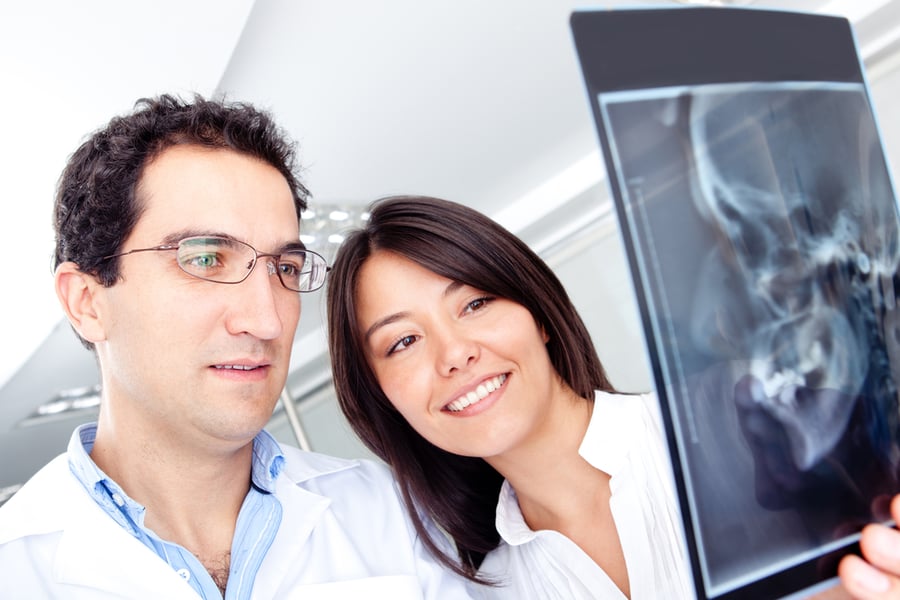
(184, 574)
(118, 499)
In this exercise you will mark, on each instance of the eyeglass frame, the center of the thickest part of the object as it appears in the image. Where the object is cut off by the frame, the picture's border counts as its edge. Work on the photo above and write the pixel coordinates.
(257, 255)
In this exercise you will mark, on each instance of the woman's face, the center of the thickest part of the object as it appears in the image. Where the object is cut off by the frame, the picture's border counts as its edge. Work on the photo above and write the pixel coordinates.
(469, 371)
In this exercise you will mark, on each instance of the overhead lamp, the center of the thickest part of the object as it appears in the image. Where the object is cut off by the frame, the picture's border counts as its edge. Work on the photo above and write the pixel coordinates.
(324, 226)
(715, 2)
(64, 404)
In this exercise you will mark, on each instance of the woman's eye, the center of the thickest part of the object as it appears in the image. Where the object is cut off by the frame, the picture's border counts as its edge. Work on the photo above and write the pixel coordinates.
(477, 304)
(402, 344)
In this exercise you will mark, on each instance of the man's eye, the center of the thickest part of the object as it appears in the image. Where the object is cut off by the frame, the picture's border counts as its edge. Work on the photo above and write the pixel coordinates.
(289, 269)
(203, 261)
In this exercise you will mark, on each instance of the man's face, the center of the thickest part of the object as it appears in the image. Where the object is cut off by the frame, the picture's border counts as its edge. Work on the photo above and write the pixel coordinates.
(195, 359)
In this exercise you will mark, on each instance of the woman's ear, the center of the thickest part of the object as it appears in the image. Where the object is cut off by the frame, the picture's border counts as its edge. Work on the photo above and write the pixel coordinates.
(78, 296)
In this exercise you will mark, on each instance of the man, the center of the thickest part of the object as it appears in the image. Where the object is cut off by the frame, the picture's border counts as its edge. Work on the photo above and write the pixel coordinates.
(178, 261)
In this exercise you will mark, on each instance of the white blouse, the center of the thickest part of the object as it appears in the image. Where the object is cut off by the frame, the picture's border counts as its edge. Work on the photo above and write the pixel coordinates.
(624, 439)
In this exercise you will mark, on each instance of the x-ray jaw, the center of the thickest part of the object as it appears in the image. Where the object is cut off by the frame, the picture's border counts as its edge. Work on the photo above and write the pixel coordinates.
(805, 264)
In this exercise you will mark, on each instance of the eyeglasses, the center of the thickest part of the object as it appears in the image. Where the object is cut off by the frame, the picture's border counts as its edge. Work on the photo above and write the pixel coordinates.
(226, 260)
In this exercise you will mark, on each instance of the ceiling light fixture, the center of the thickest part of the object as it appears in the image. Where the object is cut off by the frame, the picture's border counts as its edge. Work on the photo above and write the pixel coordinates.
(324, 226)
(714, 2)
(65, 403)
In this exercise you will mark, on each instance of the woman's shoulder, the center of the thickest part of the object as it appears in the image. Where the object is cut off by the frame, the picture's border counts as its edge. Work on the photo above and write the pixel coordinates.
(641, 405)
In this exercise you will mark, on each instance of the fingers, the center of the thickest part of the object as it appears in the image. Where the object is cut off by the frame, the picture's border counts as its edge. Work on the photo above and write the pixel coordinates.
(838, 592)
(880, 546)
(865, 582)
(878, 576)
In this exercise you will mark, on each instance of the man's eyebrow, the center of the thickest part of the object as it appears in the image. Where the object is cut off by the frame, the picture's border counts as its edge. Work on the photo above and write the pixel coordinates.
(293, 247)
(174, 238)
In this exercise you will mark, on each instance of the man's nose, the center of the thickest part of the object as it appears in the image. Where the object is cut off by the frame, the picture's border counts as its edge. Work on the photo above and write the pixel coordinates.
(256, 308)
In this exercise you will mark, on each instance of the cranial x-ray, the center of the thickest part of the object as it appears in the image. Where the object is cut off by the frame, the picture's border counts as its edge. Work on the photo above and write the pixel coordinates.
(762, 231)
(768, 238)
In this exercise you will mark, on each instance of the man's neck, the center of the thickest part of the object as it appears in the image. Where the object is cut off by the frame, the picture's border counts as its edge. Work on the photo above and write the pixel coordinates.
(192, 496)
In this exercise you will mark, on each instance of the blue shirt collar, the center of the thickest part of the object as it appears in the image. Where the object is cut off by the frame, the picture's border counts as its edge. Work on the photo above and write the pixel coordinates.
(268, 462)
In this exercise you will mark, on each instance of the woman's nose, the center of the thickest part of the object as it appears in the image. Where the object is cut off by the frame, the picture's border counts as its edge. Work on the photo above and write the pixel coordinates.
(457, 352)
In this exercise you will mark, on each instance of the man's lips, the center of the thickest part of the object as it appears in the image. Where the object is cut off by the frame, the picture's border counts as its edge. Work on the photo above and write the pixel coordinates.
(242, 369)
(481, 391)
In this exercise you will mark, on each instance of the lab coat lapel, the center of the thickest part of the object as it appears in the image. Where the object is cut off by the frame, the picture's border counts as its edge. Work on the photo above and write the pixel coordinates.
(302, 512)
(95, 551)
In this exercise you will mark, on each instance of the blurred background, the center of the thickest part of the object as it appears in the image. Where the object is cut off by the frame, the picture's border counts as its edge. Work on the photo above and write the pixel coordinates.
(478, 102)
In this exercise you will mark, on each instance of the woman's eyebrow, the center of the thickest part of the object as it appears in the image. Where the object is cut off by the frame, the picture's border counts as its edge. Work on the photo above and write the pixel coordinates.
(384, 321)
(393, 318)
(452, 287)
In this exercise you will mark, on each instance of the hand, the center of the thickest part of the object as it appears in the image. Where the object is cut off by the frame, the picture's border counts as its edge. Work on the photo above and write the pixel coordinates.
(878, 576)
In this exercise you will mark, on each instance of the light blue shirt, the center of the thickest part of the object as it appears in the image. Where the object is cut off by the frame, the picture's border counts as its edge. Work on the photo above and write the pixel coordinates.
(257, 524)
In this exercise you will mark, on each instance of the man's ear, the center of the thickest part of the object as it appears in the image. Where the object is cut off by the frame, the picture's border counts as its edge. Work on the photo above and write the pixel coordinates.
(78, 295)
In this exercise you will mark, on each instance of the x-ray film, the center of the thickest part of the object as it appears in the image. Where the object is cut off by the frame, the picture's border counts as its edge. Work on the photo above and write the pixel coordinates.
(761, 227)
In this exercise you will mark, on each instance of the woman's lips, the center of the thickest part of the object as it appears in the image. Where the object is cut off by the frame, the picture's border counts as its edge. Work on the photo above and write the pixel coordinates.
(482, 391)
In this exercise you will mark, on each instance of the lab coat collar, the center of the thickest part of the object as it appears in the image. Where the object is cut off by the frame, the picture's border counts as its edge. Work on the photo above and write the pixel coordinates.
(301, 466)
(95, 551)
(610, 437)
(299, 521)
(613, 431)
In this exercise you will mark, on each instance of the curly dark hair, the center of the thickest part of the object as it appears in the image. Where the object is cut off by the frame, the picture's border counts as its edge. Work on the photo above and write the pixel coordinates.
(459, 493)
(96, 202)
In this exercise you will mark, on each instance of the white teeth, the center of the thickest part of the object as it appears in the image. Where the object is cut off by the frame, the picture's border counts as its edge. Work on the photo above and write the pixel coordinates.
(478, 394)
(235, 367)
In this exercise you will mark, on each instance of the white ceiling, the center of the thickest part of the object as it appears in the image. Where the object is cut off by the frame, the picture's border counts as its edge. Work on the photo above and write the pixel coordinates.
(481, 102)
(67, 68)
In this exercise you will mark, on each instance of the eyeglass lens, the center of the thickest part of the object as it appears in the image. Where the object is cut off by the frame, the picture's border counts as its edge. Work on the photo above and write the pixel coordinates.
(225, 260)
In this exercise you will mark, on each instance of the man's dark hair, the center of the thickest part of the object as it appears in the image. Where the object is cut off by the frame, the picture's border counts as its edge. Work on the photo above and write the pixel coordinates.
(97, 204)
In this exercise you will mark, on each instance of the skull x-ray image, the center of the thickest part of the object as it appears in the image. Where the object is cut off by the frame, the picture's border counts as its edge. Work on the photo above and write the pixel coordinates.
(764, 232)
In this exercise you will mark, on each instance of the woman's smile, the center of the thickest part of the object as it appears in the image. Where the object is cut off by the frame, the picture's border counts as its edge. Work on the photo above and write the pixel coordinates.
(482, 391)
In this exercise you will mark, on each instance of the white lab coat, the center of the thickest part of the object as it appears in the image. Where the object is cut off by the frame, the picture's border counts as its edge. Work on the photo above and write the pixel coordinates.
(344, 534)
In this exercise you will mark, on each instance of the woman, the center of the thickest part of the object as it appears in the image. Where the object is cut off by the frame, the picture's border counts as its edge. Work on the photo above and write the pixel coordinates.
(459, 359)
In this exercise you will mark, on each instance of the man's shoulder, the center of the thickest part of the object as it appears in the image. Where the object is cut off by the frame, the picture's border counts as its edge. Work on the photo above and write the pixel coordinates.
(302, 466)
(41, 504)
(347, 483)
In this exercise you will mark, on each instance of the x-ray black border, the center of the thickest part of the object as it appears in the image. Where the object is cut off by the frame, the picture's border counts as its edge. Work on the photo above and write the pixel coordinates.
(655, 48)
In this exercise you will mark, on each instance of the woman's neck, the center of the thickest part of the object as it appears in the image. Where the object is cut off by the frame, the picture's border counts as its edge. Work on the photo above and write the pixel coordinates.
(557, 489)
(547, 460)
